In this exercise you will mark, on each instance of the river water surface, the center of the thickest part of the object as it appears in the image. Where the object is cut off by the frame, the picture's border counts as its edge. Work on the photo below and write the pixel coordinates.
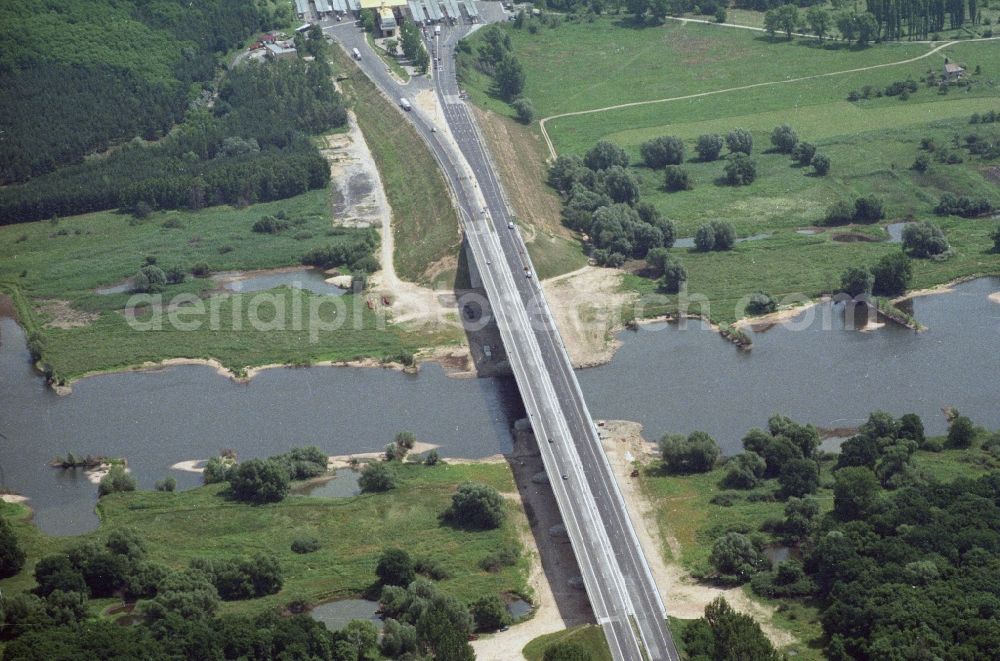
(668, 379)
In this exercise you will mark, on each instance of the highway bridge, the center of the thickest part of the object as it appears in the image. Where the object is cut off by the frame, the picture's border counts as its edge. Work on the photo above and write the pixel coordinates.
(617, 578)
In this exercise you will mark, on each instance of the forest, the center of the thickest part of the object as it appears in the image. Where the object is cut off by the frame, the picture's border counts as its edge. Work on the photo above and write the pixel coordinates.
(250, 146)
(121, 69)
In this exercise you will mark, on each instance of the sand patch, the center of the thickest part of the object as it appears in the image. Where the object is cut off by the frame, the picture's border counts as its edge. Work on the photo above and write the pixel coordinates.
(337, 461)
(62, 315)
(682, 595)
(995, 297)
(13, 498)
(587, 305)
(190, 466)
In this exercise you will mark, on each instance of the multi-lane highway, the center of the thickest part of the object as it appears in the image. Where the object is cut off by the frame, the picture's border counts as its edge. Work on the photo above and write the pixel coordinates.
(615, 574)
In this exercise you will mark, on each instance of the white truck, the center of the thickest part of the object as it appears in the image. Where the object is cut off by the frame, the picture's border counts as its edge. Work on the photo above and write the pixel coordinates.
(405, 104)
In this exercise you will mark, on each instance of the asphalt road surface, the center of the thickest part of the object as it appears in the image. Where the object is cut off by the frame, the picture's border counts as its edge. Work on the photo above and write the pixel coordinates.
(617, 578)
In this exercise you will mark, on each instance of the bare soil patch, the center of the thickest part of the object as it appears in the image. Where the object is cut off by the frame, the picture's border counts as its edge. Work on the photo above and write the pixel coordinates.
(853, 237)
(61, 314)
(992, 174)
(588, 305)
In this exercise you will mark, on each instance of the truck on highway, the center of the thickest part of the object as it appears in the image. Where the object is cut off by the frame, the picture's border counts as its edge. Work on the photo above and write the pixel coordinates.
(437, 29)
(356, 53)
(405, 104)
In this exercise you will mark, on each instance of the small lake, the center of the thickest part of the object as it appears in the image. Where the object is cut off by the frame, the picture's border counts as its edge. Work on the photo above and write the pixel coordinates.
(338, 614)
(895, 231)
(688, 242)
(309, 279)
(678, 381)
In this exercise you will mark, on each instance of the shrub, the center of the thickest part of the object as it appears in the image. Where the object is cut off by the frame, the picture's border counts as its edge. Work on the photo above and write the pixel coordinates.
(395, 567)
(745, 471)
(305, 544)
(605, 154)
(674, 276)
(839, 213)
(963, 206)
(716, 235)
(921, 163)
(201, 270)
(761, 303)
(216, 470)
(662, 151)
(432, 458)
(376, 477)
(166, 484)
(567, 650)
(506, 556)
(995, 235)
(784, 139)
(149, 279)
(676, 178)
(269, 225)
(477, 506)
(489, 613)
(741, 170)
(856, 281)
(709, 146)
(735, 555)
(799, 477)
(525, 110)
(821, 164)
(242, 578)
(175, 275)
(116, 480)
(259, 481)
(924, 239)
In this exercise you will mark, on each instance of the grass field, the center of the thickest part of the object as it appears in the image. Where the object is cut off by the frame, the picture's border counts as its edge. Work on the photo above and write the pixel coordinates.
(872, 143)
(425, 223)
(64, 262)
(353, 532)
(588, 636)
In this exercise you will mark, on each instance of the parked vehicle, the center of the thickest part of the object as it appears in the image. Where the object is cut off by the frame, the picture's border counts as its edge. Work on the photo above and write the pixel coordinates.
(405, 105)
(356, 53)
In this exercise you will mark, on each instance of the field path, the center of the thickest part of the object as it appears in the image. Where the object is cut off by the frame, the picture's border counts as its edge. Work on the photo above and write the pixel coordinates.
(552, 148)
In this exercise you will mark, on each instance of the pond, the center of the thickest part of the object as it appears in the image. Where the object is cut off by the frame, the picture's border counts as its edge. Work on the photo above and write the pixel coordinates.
(313, 280)
(337, 614)
(343, 485)
(688, 242)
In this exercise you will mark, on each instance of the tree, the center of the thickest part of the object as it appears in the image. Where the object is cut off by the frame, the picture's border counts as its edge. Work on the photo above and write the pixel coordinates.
(603, 155)
(489, 613)
(821, 164)
(216, 470)
(376, 477)
(819, 21)
(803, 153)
(892, 275)
(911, 427)
(787, 19)
(739, 141)
(11, 554)
(735, 555)
(704, 238)
(856, 281)
(709, 146)
(996, 239)
(115, 480)
(361, 638)
(620, 185)
(924, 239)
(695, 454)
(395, 567)
(657, 260)
(662, 151)
(566, 651)
(259, 481)
(716, 235)
(784, 139)
(188, 594)
(675, 178)
(509, 77)
(866, 26)
(801, 515)
(961, 431)
(638, 9)
(761, 303)
(674, 276)
(855, 492)
(733, 635)
(126, 542)
(525, 110)
(390, 46)
(476, 506)
(799, 477)
(741, 170)
(56, 572)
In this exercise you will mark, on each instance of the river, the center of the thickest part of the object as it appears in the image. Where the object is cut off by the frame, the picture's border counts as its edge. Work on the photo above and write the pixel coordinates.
(668, 379)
